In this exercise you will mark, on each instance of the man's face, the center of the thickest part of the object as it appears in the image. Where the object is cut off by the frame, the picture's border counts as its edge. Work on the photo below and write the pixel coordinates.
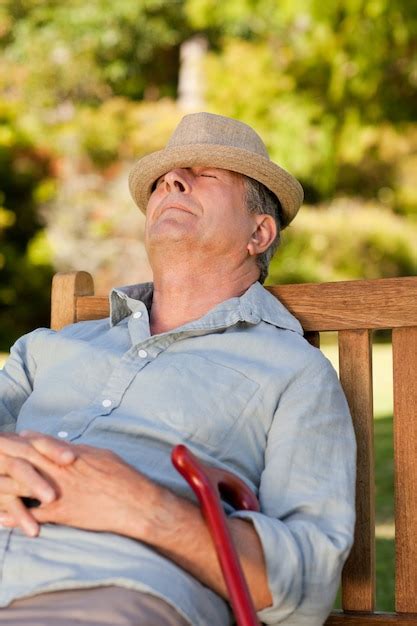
(199, 206)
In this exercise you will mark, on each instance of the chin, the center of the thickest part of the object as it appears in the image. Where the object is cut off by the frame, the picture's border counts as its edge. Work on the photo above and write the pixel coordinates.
(170, 230)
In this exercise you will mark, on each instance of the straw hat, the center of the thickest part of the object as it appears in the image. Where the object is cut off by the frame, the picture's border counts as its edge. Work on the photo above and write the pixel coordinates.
(205, 139)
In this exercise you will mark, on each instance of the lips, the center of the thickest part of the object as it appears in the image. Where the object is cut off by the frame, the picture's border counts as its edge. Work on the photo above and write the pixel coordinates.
(175, 206)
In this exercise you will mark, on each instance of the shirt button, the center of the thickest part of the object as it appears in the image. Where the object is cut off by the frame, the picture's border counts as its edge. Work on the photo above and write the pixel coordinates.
(143, 354)
(62, 434)
(106, 403)
(137, 315)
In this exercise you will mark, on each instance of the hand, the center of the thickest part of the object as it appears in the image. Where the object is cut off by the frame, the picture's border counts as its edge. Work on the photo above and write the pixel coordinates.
(97, 491)
(20, 477)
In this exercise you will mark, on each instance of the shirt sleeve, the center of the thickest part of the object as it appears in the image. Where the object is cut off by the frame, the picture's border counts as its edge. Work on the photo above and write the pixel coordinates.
(16, 382)
(307, 498)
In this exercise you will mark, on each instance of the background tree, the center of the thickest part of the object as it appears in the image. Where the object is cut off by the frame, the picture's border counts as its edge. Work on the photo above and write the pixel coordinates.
(85, 88)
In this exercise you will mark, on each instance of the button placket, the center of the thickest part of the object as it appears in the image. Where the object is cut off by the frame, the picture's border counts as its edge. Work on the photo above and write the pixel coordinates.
(118, 382)
(138, 326)
(74, 423)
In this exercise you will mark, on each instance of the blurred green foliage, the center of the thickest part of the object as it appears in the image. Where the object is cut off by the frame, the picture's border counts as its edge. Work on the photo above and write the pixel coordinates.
(90, 51)
(24, 274)
(335, 243)
(331, 87)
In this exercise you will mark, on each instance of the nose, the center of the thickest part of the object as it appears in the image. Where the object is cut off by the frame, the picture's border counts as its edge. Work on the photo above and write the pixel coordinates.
(177, 180)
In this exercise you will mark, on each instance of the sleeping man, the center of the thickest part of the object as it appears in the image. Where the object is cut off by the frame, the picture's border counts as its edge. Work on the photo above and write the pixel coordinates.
(203, 355)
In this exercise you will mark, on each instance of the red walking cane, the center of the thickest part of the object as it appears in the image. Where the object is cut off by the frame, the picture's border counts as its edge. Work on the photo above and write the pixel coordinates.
(207, 483)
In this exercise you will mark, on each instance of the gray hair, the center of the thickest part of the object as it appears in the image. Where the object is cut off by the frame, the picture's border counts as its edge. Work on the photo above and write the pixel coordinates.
(260, 200)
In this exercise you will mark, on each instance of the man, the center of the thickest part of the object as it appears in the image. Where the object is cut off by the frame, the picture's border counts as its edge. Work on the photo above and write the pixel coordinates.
(205, 356)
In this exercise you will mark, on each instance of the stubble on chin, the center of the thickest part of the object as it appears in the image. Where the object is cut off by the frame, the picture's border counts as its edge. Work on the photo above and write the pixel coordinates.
(170, 232)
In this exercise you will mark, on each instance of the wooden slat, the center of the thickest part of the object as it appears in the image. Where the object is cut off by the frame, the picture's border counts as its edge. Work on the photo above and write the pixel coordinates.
(382, 303)
(355, 366)
(404, 343)
(92, 308)
(364, 619)
(66, 286)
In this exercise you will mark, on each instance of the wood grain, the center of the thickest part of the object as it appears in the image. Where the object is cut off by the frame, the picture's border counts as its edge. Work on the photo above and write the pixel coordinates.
(92, 308)
(404, 343)
(66, 286)
(381, 303)
(355, 366)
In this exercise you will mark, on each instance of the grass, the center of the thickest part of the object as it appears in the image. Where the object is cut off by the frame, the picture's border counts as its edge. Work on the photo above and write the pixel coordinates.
(385, 532)
(384, 472)
(382, 374)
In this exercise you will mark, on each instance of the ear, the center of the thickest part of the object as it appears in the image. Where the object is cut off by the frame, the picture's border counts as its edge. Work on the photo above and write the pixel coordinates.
(263, 234)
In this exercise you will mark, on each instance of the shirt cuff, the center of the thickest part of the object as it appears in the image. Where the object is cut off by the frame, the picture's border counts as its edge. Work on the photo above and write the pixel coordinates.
(303, 569)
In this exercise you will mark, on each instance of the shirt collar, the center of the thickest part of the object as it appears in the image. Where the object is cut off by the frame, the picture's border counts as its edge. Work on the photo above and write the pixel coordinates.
(127, 300)
(254, 305)
(259, 304)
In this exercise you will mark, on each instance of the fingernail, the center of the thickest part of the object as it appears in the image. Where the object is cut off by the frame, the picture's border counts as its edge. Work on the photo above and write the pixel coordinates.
(48, 495)
(23, 433)
(67, 456)
(31, 530)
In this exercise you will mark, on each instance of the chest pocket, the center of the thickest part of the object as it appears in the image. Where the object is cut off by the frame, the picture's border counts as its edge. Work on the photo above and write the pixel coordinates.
(200, 399)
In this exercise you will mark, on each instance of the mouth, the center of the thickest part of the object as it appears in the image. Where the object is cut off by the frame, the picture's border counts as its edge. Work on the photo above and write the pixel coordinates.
(176, 207)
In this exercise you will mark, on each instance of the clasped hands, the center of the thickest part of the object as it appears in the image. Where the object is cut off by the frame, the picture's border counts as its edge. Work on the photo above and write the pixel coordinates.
(77, 485)
(94, 489)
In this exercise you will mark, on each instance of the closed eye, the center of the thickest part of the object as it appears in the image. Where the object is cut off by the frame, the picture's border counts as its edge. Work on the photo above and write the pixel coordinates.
(157, 183)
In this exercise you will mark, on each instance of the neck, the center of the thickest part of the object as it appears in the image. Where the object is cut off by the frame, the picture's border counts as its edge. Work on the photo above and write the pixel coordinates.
(183, 293)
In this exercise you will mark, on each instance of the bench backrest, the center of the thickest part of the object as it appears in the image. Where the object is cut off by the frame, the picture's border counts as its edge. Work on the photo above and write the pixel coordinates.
(354, 309)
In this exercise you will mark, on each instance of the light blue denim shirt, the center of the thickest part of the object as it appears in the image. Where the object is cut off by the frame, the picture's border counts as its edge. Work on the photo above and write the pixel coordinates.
(245, 391)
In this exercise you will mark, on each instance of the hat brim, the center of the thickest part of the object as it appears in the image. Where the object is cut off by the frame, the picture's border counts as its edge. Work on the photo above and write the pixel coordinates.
(149, 168)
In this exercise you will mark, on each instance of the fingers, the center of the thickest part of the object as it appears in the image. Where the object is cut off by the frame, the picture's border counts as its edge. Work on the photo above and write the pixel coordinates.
(7, 520)
(23, 461)
(25, 446)
(57, 451)
(17, 515)
(10, 486)
(24, 480)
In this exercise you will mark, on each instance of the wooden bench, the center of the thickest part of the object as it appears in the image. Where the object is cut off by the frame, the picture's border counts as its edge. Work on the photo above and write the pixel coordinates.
(354, 309)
